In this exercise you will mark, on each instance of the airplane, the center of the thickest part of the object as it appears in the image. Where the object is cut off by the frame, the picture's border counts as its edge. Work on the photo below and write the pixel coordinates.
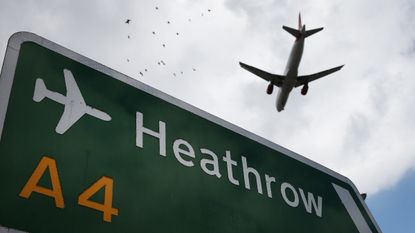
(291, 79)
(75, 106)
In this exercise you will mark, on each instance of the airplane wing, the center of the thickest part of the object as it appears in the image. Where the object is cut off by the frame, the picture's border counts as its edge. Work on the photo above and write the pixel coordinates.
(274, 78)
(301, 80)
(75, 106)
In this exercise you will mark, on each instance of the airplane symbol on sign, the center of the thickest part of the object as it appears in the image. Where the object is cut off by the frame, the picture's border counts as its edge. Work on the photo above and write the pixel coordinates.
(75, 106)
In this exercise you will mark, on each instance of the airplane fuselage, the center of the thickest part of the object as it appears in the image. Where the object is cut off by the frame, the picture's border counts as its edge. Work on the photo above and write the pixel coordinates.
(291, 73)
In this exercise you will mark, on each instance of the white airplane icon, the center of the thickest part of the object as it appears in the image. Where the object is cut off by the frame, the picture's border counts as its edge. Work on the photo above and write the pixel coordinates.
(75, 106)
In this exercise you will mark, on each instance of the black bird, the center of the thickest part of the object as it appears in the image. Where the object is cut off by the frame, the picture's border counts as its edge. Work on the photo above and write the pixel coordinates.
(174, 74)
(128, 21)
(128, 60)
(154, 33)
(177, 33)
(141, 73)
(145, 70)
(128, 36)
(157, 8)
(168, 22)
(208, 10)
(194, 69)
(164, 45)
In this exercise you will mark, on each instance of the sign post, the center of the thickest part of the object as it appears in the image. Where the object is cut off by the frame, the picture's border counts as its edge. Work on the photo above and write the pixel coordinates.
(84, 148)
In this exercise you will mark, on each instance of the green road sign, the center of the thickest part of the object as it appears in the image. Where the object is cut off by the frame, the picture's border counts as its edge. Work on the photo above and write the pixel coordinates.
(84, 148)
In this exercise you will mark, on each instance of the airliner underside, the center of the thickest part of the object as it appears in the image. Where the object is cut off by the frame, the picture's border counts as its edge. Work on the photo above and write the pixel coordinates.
(291, 79)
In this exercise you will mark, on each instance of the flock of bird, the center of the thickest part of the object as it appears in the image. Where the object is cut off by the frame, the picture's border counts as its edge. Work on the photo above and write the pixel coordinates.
(161, 62)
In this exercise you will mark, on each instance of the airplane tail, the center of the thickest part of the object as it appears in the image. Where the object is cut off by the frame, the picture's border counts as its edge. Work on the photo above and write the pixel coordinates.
(311, 32)
(40, 90)
(301, 32)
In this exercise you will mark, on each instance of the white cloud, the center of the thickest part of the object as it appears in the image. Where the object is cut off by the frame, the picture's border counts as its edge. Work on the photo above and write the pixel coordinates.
(357, 121)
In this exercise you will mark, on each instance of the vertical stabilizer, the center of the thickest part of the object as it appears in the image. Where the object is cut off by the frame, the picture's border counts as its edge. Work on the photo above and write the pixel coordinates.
(301, 32)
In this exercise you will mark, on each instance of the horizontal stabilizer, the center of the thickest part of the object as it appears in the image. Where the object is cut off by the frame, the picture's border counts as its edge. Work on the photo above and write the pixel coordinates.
(292, 31)
(40, 90)
(274, 78)
(301, 80)
(311, 32)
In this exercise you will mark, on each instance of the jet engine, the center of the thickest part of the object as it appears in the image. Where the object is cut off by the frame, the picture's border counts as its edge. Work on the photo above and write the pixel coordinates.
(270, 88)
(304, 90)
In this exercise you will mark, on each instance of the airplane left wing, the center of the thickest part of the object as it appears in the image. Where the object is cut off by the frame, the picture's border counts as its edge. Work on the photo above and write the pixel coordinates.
(274, 78)
(72, 89)
(301, 80)
(75, 106)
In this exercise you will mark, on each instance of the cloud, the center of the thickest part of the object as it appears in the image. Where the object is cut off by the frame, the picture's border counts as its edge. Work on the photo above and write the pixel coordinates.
(345, 120)
(357, 121)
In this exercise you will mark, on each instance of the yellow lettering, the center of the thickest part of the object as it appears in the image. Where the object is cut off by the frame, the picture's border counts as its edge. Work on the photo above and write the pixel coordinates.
(106, 208)
(32, 183)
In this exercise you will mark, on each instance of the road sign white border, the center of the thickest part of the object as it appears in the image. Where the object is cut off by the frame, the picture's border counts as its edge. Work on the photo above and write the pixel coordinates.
(9, 67)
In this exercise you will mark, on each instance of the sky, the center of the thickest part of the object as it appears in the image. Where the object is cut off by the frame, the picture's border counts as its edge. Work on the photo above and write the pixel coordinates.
(358, 122)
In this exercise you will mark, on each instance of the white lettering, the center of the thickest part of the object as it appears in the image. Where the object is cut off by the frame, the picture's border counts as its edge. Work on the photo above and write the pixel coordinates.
(229, 164)
(268, 180)
(246, 171)
(188, 151)
(214, 162)
(209, 163)
(310, 202)
(140, 130)
(293, 203)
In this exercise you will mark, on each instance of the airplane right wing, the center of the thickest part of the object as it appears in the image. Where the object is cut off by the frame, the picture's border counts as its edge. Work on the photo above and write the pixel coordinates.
(274, 78)
(301, 80)
(70, 116)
